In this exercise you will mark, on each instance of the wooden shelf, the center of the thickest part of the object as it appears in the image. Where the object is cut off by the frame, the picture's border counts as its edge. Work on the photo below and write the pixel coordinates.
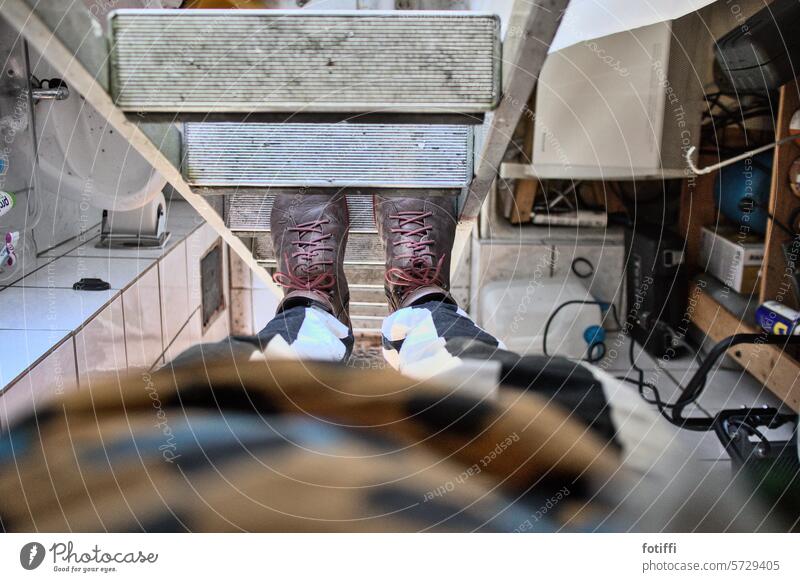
(778, 370)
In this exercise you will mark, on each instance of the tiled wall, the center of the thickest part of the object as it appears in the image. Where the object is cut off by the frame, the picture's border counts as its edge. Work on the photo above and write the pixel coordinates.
(252, 304)
(58, 340)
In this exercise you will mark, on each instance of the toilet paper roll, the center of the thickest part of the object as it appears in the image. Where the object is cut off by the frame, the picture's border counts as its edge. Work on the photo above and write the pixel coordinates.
(141, 221)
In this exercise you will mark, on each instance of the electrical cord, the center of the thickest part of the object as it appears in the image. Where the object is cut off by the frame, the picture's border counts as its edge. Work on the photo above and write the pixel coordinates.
(597, 350)
(664, 407)
(780, 224)
(718, 116)
(582, 261)
(641, 384)
(553, 316)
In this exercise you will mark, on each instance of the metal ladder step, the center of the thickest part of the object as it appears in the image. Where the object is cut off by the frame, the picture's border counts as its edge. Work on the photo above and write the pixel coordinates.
(356, 274)
(248, 211)
(363, 249)
(369, 308)
(247, 214)
(367, 338)
(268, 60)
(365, 322)
(367, 353)
(366, 293)
(328, 155)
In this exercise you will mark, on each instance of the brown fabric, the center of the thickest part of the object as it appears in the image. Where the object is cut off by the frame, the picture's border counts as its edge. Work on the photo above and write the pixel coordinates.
(286, 446)
(230, 444)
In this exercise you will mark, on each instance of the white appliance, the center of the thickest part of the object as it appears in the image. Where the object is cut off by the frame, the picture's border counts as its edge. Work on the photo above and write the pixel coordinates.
(522, 329)
(622, 106)
(80, 157)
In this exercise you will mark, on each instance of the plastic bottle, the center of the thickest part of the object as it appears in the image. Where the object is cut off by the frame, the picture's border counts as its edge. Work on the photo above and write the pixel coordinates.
(776, 318)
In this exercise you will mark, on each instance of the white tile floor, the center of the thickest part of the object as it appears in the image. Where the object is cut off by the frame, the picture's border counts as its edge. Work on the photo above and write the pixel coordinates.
(66, 271)
(20, 349)
(88, 237)
(40, 308)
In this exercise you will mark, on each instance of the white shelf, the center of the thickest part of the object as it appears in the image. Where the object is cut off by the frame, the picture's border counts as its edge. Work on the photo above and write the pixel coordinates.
(517, 171)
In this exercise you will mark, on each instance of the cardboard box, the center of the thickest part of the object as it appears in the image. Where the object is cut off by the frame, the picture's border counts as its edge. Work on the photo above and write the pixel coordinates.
(733, 257)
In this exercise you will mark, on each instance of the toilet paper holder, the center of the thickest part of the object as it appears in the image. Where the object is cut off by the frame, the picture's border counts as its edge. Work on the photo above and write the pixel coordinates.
(143, 227)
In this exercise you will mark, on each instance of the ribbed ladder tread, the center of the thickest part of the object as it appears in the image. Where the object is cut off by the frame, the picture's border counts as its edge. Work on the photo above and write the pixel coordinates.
(300, 60)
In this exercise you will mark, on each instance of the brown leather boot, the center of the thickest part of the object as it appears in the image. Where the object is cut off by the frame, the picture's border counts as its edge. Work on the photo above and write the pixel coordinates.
(309, 234)
(418, 236)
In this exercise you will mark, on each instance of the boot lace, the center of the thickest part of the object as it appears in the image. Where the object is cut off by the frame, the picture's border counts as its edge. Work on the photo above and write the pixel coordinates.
(309, 244)
(421, 271)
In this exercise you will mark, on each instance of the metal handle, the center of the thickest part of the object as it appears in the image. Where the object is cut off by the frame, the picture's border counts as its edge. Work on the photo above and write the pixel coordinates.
(733, 160)
(55, 90)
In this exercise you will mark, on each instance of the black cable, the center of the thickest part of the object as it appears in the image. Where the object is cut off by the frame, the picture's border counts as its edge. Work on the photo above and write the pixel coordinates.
(641, 384)
(780, 224)
(743, 207)
(692, 391)
(591, 356)
(553, 315)
(582, 261)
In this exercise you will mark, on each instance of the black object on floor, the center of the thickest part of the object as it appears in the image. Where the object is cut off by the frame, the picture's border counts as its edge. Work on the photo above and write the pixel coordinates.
(91, 284)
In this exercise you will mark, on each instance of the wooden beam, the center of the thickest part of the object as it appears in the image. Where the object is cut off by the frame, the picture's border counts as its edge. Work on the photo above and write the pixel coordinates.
(775, 285)
(769, 364)
(524, 197)
(525, 190)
